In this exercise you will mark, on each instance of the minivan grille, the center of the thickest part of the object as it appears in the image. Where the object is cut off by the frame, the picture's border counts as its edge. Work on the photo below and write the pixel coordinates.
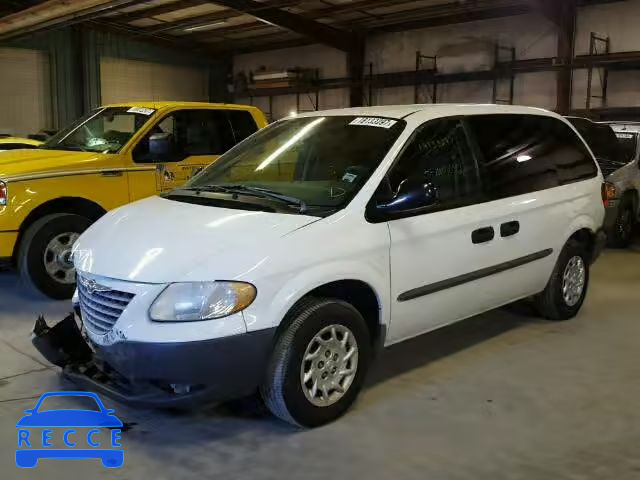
(100, 306)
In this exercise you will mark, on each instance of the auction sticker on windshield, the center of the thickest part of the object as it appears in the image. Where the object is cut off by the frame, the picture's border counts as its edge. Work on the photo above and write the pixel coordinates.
(141, 110)
(53, 430)
(374, 122)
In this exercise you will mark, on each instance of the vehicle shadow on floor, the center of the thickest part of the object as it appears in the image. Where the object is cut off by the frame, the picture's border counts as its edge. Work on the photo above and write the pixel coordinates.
(443, 342)
(417, 352)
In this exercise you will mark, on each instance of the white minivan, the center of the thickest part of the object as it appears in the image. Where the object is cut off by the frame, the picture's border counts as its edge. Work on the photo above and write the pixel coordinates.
(285, 265)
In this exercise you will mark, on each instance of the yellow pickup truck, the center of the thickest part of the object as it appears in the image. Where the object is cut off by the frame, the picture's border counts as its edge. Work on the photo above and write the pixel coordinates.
(111, 156)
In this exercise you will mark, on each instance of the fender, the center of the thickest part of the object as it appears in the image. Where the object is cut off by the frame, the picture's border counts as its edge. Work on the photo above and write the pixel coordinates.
(296, 287)
(579, 223)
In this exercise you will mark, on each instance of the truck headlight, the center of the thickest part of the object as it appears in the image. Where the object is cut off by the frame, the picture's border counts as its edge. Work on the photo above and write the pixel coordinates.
(4, 194)
(189, 302)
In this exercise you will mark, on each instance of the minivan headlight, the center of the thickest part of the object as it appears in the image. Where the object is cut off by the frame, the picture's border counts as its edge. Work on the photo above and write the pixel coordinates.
(189, 302)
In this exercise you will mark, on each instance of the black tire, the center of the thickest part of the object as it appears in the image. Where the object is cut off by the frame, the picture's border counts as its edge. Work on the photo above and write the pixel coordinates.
(282, 389)
(31, 261)
(551, 303)
(622, 232)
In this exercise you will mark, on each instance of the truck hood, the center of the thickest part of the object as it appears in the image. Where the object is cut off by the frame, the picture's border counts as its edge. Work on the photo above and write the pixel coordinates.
(17, 163)
(161, 241)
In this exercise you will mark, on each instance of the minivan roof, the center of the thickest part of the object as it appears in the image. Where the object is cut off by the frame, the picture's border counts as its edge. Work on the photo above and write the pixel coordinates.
(435, 110)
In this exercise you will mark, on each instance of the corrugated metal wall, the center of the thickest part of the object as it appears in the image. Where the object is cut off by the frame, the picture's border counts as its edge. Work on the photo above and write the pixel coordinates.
(75, 53)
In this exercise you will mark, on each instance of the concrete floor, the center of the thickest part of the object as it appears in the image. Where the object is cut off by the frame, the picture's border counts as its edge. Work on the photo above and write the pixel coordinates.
(500, 396)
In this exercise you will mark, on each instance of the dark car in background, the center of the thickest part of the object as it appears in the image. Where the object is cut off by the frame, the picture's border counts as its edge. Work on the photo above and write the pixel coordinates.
(616, 151)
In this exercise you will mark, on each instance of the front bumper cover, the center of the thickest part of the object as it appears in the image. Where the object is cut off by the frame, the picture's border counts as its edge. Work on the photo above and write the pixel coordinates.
(164, 375)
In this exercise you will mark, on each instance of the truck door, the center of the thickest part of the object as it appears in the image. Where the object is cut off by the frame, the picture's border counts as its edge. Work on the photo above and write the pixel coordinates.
(180, 145)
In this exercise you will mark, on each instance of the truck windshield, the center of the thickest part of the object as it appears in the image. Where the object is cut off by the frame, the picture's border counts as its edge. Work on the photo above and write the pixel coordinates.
(105, 130)
(317, 162)
(628, 143)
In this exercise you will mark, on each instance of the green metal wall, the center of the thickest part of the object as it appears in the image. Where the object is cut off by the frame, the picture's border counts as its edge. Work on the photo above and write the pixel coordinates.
(75, 53)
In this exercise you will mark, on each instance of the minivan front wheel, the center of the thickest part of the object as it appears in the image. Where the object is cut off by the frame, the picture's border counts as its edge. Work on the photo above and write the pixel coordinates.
(44, 258)
(566, 290)
(318, 364)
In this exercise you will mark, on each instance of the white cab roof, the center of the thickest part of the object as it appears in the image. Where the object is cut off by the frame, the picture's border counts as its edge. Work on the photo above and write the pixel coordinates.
(431, 110)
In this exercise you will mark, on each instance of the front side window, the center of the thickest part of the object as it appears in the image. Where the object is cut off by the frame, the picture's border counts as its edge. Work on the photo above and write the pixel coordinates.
(320, 161)
(438, 156)
(105, 130)
(526, 153)
(190, 133)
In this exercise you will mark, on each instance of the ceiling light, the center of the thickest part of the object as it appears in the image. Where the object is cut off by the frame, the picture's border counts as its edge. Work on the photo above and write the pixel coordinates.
(523, 158)
(202, 27)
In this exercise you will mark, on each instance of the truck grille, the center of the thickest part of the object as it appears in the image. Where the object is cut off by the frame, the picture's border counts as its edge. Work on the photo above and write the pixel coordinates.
(100, 306)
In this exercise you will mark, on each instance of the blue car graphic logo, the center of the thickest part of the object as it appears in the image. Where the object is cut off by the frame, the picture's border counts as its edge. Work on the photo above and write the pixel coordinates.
(35, 444)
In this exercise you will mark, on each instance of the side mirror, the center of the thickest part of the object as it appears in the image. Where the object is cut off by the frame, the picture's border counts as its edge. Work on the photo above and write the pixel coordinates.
(162, 148)
(414, 193)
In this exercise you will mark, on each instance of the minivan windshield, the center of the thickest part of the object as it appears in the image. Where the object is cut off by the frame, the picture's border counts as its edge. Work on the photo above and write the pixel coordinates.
(313, 163)
(105, 130)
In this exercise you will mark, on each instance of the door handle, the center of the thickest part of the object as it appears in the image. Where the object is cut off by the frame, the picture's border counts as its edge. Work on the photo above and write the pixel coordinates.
(509, 229)
(483, 235)
(111, 173)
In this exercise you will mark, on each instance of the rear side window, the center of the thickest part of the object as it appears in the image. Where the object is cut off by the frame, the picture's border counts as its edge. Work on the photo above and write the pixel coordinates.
(243, 124)
(520, 154)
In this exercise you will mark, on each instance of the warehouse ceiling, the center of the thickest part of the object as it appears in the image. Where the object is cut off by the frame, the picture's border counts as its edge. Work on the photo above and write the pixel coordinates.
(239, 26)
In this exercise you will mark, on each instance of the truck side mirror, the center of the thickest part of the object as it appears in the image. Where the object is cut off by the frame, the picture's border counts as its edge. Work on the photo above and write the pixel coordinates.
(162, 147)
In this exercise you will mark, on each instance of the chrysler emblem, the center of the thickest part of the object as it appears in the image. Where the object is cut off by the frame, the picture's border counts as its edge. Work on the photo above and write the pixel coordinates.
(92, 286)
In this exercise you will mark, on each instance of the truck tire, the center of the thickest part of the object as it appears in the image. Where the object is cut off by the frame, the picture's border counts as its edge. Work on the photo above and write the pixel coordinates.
(318, 364)
(44, 256)
(625, 222)
(566, 290)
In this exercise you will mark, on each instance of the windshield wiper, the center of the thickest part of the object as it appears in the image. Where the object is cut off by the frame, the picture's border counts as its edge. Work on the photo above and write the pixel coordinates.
(255, 191)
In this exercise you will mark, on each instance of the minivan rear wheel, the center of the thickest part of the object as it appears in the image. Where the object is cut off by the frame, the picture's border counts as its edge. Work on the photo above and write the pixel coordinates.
(318, 364)
(44, 258)
(566, 290)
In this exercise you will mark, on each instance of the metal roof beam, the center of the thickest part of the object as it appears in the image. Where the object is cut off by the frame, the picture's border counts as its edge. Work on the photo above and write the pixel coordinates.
(319, 32)
(127, 17)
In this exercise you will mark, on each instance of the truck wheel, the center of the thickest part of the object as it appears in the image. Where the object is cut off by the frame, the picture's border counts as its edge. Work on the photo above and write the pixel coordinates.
(623, 228)
(44, 258)
(318, 364)
(564, 295)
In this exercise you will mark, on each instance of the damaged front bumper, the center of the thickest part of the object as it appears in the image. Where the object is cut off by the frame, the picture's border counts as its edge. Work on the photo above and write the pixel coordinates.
(162, 375)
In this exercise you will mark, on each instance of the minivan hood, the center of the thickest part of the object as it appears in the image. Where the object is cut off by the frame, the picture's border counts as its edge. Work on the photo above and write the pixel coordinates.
(160, 241)
(24, 162)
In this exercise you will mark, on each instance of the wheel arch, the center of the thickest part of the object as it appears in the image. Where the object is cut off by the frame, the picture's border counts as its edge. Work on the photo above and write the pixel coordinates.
(585, 230)
(71, 205)
(361, 294)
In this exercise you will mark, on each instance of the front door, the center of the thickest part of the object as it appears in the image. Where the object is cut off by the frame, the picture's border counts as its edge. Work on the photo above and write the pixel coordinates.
(434, 253)
(198, 138)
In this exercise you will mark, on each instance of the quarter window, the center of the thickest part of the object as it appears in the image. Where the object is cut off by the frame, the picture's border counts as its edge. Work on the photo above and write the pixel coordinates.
(438, 154)
(526, 153)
